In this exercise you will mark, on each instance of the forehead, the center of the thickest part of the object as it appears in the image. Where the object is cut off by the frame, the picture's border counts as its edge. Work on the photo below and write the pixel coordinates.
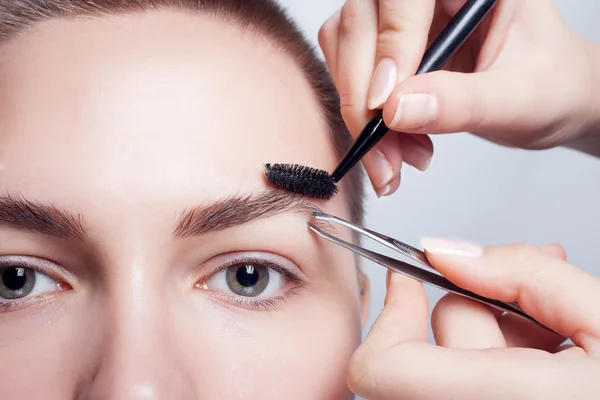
(162, 99)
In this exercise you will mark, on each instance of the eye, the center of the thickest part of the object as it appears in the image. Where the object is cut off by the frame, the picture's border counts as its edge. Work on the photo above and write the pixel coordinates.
(18, 282)
(20, 278)
(248, 280)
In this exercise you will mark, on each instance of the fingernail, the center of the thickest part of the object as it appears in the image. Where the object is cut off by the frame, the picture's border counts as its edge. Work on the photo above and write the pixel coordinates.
(390, 187)
(384, 191)
(422, 158)
(450, 247)
(384, 81)
(381, 169)
(415, 110)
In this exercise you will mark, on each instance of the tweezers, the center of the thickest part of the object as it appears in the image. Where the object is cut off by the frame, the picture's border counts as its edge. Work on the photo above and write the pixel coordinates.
(412, 271)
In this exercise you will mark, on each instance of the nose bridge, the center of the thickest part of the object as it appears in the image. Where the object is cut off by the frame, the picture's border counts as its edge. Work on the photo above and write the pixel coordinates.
(140, 360)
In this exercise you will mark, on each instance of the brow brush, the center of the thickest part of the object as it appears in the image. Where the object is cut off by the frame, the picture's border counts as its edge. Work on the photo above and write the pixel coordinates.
(451, 39)
(320, 184)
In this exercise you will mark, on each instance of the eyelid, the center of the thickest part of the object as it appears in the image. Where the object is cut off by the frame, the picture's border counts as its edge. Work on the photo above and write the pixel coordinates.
(40, 265)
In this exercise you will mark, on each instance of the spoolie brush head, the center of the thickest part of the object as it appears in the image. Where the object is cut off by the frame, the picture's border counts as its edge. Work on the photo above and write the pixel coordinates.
(303, 180)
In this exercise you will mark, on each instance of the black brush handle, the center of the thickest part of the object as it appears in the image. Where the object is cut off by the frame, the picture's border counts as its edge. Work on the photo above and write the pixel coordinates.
(437, 55)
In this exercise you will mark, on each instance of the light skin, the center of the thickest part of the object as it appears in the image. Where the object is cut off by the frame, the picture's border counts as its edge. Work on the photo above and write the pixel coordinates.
(524, 79)
(120, 136)
(506, 85)
(480, 353)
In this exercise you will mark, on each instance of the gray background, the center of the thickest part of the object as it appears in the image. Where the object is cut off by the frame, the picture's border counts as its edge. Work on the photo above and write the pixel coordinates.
(486, 193)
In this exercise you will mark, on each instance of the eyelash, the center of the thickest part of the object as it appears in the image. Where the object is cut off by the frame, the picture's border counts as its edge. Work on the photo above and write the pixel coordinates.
(258, 304)
(39, 299)
(14, 305)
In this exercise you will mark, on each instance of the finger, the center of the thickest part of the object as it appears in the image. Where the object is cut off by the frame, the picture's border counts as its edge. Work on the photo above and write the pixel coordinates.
(356, 54)
(404, 319)
(405, 314)
(403, 32)
(521, 333)
(555, 250)
(357, 45)
(417, 150)
(383, 164)
(556, 294)
(384, 161)
(462, 323)
(424, 371)
(328, 40)
(451, 7)
(448, 102)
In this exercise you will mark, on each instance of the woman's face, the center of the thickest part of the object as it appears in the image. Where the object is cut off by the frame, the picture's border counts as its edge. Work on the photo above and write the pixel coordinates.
(142, 254)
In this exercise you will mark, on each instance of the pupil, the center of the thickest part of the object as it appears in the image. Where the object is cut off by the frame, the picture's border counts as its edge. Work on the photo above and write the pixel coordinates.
(14, 278)
(247, 276)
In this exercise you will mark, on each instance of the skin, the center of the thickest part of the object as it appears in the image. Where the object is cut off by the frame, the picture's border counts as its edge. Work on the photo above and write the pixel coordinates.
(480, 353)
(506, 84)
(149, 117)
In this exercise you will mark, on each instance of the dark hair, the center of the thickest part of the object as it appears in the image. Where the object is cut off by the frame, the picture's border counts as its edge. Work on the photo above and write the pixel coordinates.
(264, 18)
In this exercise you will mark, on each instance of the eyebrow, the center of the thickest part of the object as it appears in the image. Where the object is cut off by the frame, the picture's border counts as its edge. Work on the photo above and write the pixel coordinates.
(20, 213)
(238, 210)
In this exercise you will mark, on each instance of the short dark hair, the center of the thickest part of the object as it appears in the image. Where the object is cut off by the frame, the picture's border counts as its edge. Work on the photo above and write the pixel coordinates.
(263, 17)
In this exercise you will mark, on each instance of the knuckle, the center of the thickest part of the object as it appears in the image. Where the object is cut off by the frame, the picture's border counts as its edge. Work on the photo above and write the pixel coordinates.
(328, 29)
(350, 18)
(351, 112)
(473, 109)
(404, 16)
(474, 113)
(395, 25)
(388, 42)
(323, 34)
(525, 257)
(349, 109)
(522, 252)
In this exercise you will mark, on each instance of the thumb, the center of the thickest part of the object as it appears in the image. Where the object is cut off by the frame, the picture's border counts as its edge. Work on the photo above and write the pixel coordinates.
(553, 292)
(448, 102)
(373, 370)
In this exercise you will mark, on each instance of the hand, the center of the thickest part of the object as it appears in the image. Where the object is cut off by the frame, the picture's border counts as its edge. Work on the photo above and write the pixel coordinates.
(523, 79)
(481, 354)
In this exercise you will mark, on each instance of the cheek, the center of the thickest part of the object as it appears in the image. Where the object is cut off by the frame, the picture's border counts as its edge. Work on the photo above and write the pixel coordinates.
(46, 353)
(299, 351)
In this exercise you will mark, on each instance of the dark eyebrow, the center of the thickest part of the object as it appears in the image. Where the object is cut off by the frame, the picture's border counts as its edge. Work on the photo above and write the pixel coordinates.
(238, 210)
(20, 213)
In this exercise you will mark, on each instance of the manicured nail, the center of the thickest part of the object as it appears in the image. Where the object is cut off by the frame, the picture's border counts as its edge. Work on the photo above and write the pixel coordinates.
(383, 83)
(384, 191)
(380, 168)
(449, 247)
(422, 158)
(415, 110)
